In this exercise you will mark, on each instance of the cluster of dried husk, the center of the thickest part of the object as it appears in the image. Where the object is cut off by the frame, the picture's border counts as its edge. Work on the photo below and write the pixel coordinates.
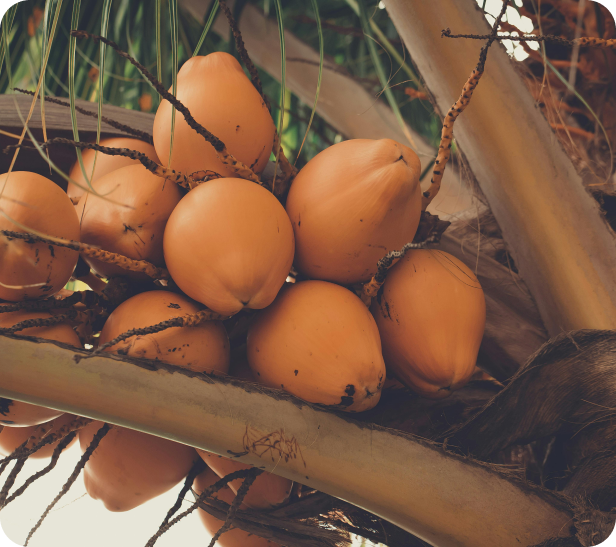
(547, 431)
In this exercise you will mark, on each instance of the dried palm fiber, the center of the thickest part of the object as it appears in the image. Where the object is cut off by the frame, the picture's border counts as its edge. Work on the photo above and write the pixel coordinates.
(13, 437)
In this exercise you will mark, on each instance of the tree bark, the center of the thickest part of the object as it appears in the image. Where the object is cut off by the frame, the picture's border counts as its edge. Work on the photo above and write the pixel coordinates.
(564, 249)
(443, 498)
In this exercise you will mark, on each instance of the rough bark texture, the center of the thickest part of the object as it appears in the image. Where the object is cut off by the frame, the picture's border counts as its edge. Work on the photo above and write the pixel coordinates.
(567, 391)
(564, 249)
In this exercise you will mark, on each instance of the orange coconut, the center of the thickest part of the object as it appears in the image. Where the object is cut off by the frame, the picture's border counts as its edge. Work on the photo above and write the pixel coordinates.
(132, 225)
(34, 270)
(105, 163)
(16, 413)
(223, 100)
(431, 314)
(267, 491)
(13, 437)
(319, 342)
(229, 244)
(234, 537)
(203, 348)
(129, 468)
(352, 204)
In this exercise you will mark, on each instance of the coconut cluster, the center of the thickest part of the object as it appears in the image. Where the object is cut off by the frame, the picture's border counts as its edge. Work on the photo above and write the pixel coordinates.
(230, 245)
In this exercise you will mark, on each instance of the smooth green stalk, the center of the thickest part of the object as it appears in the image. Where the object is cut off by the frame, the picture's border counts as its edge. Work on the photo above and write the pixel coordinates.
(206, 28)
(388, 46)
(71, 87)
(594, 115)
(159, 62)
(315, 7)
(101, 74)
(380, 70)
(283, 80)
(173, 14)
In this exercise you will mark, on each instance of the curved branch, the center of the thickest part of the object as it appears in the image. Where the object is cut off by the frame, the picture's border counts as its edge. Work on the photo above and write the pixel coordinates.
(438, 496)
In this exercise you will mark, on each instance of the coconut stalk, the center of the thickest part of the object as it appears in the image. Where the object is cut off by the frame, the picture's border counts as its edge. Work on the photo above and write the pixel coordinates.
(443, 498)
(564, 250)
(343, 102)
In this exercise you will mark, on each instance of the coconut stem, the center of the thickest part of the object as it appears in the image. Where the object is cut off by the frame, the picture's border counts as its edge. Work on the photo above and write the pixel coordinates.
(93, 252)
(54, 460)
(370, 289)
(40, 439)
(141, 135)
(206, 493)
(39, 322)
(584, 41)
(80, 465)
(190, 320)
(89, 298)
(198, 467)
(288, 170)
(444, 149)
(228, 159)
(181, 179)
(239, 498)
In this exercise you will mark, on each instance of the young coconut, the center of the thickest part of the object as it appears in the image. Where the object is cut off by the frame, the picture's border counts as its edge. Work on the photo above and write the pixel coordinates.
(16, 413)
(202, 348)
(229, 245)
(319, 342)
(133, 226)
(431, 314)
(350, 205)
(266, 492)
(35, 270)
(105, 163)
(223, 100)
(234, 537)
(129, 468)
(13, 437)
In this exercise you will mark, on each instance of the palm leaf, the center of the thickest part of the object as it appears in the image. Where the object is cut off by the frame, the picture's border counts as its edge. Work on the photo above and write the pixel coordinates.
(283, 80)
(173, 14)
(315, 7)
(101, 74)
(206, 28)
(380, 71)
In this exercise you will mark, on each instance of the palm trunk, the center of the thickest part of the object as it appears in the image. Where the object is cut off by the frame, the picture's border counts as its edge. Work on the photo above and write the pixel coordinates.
(565, 251)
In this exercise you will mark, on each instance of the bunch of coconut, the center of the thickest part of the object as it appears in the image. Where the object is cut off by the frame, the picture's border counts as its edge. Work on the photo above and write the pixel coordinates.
(230, 244)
